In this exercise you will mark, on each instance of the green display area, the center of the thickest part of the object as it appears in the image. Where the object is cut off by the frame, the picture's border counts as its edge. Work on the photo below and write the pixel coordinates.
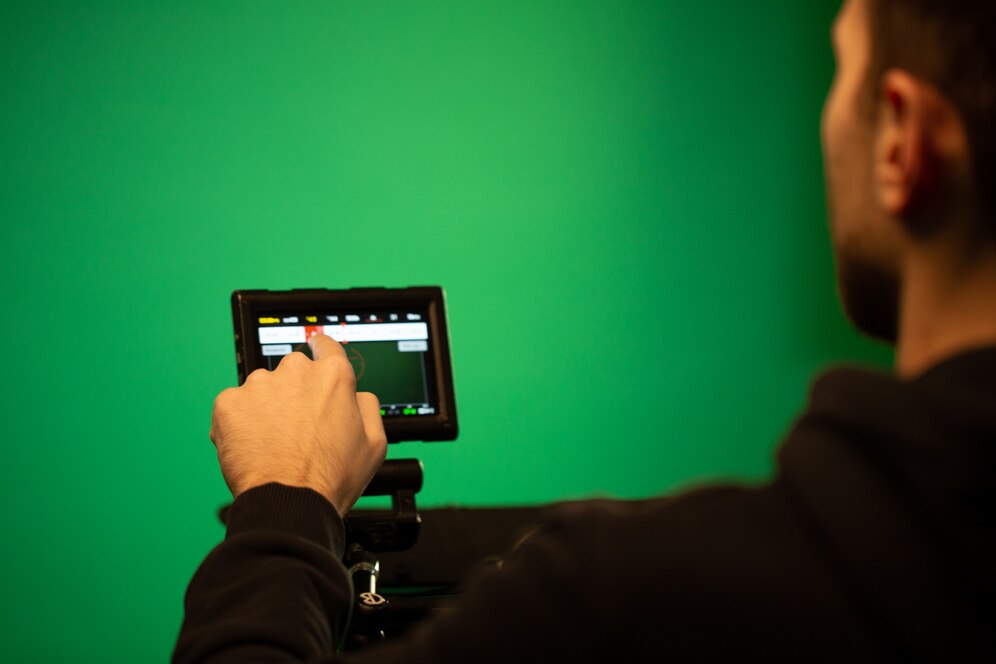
(623, 200)
(395, 377)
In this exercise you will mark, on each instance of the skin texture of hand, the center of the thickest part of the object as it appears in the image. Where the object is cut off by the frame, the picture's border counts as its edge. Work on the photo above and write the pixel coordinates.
(302, 424)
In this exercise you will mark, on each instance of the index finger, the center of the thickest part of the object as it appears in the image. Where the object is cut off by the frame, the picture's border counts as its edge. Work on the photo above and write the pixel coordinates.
(323, 345)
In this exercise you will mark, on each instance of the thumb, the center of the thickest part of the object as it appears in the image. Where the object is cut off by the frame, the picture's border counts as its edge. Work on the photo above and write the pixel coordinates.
(373, 423)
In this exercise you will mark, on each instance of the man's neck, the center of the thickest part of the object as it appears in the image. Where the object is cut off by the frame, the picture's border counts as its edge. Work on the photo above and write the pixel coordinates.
(946, 308)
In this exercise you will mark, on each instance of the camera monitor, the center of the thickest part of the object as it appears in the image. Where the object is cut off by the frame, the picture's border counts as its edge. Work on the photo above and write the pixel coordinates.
(396, 340)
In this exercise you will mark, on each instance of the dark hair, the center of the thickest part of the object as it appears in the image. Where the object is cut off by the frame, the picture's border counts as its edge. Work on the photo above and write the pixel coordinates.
(952, 45)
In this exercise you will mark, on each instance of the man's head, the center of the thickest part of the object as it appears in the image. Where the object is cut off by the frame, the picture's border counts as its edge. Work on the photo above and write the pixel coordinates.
(908, 143)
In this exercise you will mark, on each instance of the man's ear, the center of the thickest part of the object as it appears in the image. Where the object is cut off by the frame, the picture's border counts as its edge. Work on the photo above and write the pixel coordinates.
(903, 165)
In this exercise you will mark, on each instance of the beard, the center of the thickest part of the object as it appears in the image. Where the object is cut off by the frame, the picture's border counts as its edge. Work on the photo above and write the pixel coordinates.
(864, 241)
(869, 294)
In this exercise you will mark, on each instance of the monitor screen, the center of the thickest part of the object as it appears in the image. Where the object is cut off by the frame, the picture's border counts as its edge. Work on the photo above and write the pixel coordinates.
(395, 338)
(389, 350)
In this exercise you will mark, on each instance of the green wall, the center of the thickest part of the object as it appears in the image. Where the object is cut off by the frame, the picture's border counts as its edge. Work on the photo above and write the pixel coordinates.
(623, 200)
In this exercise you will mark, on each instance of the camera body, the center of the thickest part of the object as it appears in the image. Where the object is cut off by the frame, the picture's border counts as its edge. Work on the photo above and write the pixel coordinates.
(396, 339)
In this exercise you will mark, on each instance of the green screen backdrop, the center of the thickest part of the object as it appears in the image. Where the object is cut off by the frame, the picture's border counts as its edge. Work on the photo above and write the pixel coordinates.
(623, 200)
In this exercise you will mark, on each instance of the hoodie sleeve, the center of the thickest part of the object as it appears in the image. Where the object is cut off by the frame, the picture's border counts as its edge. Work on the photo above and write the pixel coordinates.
(275, 591)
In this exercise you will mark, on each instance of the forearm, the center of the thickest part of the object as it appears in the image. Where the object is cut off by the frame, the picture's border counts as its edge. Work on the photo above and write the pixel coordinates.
(274, 590)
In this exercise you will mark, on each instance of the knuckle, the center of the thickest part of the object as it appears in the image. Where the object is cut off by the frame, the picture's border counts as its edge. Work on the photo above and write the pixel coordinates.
(256, 376)
(342, 370)
(224, 398)
(294, 359)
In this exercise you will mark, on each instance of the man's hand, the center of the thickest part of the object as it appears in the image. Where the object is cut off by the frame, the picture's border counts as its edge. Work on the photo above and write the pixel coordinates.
(302, 424)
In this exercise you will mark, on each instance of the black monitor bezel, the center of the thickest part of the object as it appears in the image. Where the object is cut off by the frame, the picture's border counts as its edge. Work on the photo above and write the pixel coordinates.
(247, 305)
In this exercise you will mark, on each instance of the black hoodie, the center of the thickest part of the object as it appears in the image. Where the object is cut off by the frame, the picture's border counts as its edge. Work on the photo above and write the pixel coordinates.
(875, 541)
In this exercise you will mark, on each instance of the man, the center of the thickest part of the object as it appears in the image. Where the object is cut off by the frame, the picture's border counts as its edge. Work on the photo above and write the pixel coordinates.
(877, 537)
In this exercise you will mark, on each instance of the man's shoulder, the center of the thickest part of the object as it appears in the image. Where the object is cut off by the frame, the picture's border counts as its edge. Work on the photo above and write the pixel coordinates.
(720, 569)
(718, 510)
(699, 535)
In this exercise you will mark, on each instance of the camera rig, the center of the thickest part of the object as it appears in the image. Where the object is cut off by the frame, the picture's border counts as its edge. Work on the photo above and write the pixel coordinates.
(404, 564)
(373, 532)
